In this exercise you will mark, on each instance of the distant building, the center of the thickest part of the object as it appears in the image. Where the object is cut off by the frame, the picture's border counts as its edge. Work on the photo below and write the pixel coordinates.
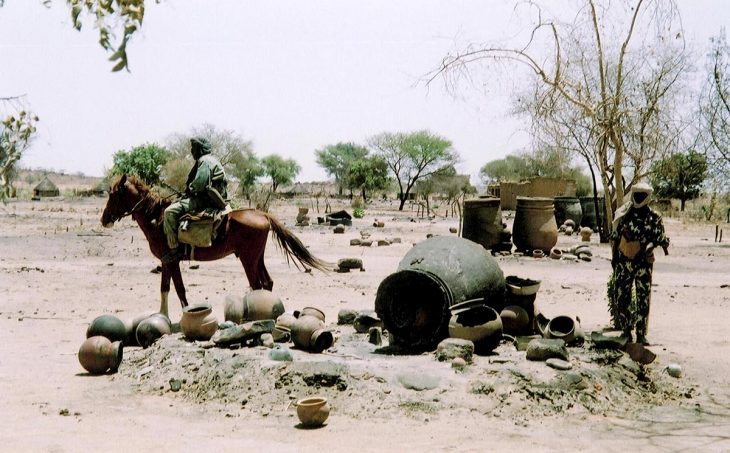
(46, 188)
(532, 187)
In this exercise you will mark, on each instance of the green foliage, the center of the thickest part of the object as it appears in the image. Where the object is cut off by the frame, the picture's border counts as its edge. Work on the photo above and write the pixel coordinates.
(337, 159)
(358, 213)
(175, 173)
(367, 174)
(679, 175)
(413, 156)
(511, 168)
(145, 161)
(280, 170)
(16, 131)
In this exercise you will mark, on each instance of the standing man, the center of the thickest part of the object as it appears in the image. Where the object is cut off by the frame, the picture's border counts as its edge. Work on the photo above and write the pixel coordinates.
(637, 230)
(206, 188)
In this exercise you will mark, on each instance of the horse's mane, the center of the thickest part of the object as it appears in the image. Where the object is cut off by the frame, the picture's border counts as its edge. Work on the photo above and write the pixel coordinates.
(155, 205)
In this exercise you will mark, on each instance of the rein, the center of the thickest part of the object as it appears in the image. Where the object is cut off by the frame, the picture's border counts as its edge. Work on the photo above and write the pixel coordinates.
(134, 209)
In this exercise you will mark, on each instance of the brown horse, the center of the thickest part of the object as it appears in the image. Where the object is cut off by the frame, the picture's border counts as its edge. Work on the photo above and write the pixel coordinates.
(245, 235)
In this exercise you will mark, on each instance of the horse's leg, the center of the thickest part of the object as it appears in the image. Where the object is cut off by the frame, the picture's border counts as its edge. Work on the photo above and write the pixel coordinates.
(164, 289)
(250, 267)
(264, 277)
(178, 281)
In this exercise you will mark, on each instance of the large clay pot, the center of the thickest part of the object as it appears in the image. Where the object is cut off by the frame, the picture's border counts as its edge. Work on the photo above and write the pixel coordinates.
(152, 328)
(233, 309)
(478, 323)
(312, 412)
(198, 322)
(308, 333)
(567, 208)
(534, 226)
(107, 326)
(98, 355)
(131, 329)
(482, 221)
(589, 218)
(515, 320)
(437, 273)
(261, 304)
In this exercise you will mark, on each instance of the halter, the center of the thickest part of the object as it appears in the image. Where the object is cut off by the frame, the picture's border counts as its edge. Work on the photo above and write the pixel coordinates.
(131, 211)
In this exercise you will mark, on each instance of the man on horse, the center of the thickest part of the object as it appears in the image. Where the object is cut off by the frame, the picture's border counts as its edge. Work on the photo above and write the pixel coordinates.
(206, 188)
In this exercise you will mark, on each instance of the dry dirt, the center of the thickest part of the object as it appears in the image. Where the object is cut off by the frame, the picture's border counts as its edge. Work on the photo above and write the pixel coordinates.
(59, 269)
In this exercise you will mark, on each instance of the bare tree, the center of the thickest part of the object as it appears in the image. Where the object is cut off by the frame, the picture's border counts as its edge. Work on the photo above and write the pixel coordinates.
(607, 88)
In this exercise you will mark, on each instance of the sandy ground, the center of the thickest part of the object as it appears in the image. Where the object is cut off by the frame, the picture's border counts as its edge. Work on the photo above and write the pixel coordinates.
(59, 269)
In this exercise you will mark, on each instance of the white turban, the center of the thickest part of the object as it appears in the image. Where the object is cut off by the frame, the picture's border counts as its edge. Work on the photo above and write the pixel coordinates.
(641, 188)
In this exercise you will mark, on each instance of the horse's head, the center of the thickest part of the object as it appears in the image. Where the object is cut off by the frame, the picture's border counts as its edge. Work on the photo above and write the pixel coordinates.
(124, 196)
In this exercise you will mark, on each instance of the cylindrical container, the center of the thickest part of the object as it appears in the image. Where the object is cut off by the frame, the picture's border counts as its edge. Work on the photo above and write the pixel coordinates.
(198, 322)
(567, 208)
(437, 273)
(482, 221)
(108, 326)
(589, 218)
(312, 412)
(477, 323)
(261, 304)
(98, 355)
(534, 226)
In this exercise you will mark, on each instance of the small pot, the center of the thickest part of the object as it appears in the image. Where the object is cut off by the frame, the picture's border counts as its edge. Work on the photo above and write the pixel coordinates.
(585, 234)
(261, 304)
(286, 320)
(233, 310)
(312, 412)
(107, 326)
(98, 355)
(556, 254)
(478, 323)
(152, 328)
(308, 333)
(198, 322)
(561, 327)
(537, 253)
(515, 319)
(522, 286)
(311, 311)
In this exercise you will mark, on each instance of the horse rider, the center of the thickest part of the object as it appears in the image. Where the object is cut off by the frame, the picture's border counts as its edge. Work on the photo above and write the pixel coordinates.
(205, 188)
(637, 230)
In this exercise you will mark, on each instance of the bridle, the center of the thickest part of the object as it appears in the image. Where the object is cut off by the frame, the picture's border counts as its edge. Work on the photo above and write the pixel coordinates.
(134, 209)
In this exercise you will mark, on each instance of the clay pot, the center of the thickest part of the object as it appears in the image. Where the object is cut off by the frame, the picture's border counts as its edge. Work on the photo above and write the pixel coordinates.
(521, 286)
(98, 355)
(561, 327)
(311, 311)
(312, 412)
(534, 225)
(515, 319)
(585, 234)
(152, 328)
(261, 304)
(308, 333)
(556, 254)
(286, 320)
(233, 309)
(537, 253)
(478, 323)
(107, 326)
(482, 221)
(131, 329)
(198, 322)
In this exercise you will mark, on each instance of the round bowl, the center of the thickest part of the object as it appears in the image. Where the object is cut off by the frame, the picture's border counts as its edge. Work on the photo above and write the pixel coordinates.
(313, 411)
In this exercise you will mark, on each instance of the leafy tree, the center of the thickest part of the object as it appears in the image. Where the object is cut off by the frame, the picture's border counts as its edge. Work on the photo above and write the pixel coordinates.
(175, 173)
(16, 132)
(337, 159)
(679, 175)
(247, 168)
(413, 156)
(146, 161)
(367, 174)
(511, 168)
(280, 170)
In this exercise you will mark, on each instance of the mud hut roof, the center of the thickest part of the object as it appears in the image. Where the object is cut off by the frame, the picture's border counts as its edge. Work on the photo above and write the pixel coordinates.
(46, 185)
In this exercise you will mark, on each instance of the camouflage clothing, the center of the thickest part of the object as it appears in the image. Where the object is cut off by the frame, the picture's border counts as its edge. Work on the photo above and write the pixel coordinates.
(629, 288)
(207, 172)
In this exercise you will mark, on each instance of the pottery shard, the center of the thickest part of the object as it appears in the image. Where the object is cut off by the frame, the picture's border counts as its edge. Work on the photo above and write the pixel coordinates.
(452, 348)
(355, 241)
(383, 242)
(559, 364)
(339, 229)
(243, 332)
(542, 349)
(366, 243)
(346, 316)
(601, 341)
(349, 263)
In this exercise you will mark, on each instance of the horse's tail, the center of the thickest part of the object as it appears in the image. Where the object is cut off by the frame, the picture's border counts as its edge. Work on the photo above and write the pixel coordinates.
(293, 247)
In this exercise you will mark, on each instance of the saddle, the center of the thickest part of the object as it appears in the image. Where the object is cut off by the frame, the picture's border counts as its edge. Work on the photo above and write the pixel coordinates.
(201, 229)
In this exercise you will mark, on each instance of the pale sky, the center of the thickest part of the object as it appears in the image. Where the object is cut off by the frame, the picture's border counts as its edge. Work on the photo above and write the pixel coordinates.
(291, 76)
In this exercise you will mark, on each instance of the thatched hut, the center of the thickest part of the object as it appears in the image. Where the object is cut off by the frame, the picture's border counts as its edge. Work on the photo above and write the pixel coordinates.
(46, 188)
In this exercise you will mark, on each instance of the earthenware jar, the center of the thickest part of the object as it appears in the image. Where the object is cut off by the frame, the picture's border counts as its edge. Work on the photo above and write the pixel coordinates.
(556, 254)
(286, 320)
(482, 221)
(131, 329)
(311, 311)
(261, 304)
(561, 327)
(308, 333)
(537, 253)
(478, 323)
(312, 412)
(107, 326)
(152, 328)
(534, 225)
(233, 309)
(585, 234)
(515, 320)
(98, 355)
(198, 322)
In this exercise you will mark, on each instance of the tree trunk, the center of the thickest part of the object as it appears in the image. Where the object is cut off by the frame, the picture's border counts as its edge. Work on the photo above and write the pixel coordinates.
(681, 204)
